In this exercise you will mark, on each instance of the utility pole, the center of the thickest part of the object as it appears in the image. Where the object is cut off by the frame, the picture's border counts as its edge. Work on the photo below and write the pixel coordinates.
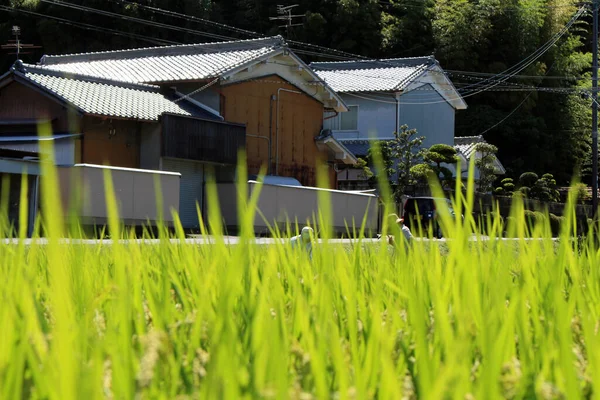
(16, 44)
(595, 5)
(285, 14)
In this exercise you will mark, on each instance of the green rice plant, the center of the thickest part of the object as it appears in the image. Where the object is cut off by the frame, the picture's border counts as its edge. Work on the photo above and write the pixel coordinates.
(472, 317)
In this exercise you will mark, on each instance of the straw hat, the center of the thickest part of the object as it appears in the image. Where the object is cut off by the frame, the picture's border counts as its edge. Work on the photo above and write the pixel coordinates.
(395, 217)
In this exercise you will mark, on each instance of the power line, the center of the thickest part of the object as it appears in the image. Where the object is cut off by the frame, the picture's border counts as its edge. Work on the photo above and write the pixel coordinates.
(135, 19)
(339, 53)
(490, 83)
(421, 4)
(493, 83)
(484, 74)
(174, 14)
(82, 25)
(525, 63)
(509, 115)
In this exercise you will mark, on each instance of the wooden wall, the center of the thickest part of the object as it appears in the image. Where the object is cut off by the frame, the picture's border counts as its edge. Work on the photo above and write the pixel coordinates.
(300, 121)
(120, 150)
(18, 102)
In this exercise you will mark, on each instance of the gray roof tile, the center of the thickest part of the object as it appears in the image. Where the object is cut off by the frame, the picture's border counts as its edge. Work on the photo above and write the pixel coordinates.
(466, 144)
(372, 75)
(105, 98)
(165, 64)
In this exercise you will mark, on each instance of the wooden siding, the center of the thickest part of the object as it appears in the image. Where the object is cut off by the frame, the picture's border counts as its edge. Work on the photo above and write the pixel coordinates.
(121, 150)
(300, 121)
(201, 140)
(19, 102)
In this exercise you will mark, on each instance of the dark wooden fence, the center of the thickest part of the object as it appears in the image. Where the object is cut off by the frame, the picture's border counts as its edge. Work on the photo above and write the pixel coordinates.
(201, 140)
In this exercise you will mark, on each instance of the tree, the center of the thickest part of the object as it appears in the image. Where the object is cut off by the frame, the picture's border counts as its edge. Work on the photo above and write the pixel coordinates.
(485, 164)
(439, 154)
(406, 148)
(382, 151)
(399, 156)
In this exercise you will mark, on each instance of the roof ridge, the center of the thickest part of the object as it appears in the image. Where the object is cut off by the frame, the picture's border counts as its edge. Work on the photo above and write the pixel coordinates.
(33, 69)
(371, 63)
(211, 47)
(469, 137)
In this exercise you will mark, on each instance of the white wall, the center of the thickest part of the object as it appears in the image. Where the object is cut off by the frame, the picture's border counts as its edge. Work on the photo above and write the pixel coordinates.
(281, 204)
(133, 188)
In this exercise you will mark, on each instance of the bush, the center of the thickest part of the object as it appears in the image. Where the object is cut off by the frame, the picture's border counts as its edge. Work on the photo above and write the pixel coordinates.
(509, 187)
(534, 218)
(421, 173)
(581, 193)
(528, 179)
(556, 224)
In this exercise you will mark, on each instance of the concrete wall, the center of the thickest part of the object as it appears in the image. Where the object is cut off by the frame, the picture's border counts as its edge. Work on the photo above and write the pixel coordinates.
(134, 191)
(424, 110)
(281, 204)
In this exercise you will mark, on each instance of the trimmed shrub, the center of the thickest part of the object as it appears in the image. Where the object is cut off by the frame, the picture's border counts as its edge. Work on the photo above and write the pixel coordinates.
(528, 179)
(556, 224)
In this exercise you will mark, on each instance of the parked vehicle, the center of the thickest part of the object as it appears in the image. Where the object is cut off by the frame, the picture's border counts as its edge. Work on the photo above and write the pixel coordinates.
(425, 210)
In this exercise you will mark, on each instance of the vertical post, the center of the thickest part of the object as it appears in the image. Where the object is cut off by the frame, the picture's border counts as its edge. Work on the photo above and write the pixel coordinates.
(595, 112)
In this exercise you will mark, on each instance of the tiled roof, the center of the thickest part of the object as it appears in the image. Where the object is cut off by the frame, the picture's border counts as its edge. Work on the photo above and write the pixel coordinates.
(359, 148)
(466, 145)
(374, 75)
(166, 64)
(101, 97)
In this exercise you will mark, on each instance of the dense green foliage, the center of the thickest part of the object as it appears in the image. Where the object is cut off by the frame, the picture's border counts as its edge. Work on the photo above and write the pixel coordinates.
(536, 130)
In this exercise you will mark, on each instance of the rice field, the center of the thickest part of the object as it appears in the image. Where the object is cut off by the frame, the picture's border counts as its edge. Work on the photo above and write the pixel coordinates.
(470, 320)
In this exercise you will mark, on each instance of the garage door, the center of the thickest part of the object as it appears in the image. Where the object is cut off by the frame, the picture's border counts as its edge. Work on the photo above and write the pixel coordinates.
(190, 189)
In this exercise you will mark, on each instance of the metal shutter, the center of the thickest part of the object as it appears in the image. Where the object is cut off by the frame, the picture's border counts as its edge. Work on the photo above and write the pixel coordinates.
(190, 189)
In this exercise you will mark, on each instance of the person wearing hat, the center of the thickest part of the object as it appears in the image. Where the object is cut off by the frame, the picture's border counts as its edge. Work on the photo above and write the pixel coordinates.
(399, 231)
(304, 240)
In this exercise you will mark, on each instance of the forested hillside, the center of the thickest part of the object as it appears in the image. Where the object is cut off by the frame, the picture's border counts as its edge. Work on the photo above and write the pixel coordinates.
(537, 119)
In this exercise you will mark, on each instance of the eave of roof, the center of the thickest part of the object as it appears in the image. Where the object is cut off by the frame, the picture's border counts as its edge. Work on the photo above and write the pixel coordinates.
(143, 109)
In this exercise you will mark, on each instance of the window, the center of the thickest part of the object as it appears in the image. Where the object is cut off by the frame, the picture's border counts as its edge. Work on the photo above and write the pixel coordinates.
(349, 119)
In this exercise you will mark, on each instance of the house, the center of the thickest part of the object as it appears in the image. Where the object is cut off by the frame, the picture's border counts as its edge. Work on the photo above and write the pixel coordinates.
(466, 148)
(382, 96)
(96, 121)
(187, 109)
